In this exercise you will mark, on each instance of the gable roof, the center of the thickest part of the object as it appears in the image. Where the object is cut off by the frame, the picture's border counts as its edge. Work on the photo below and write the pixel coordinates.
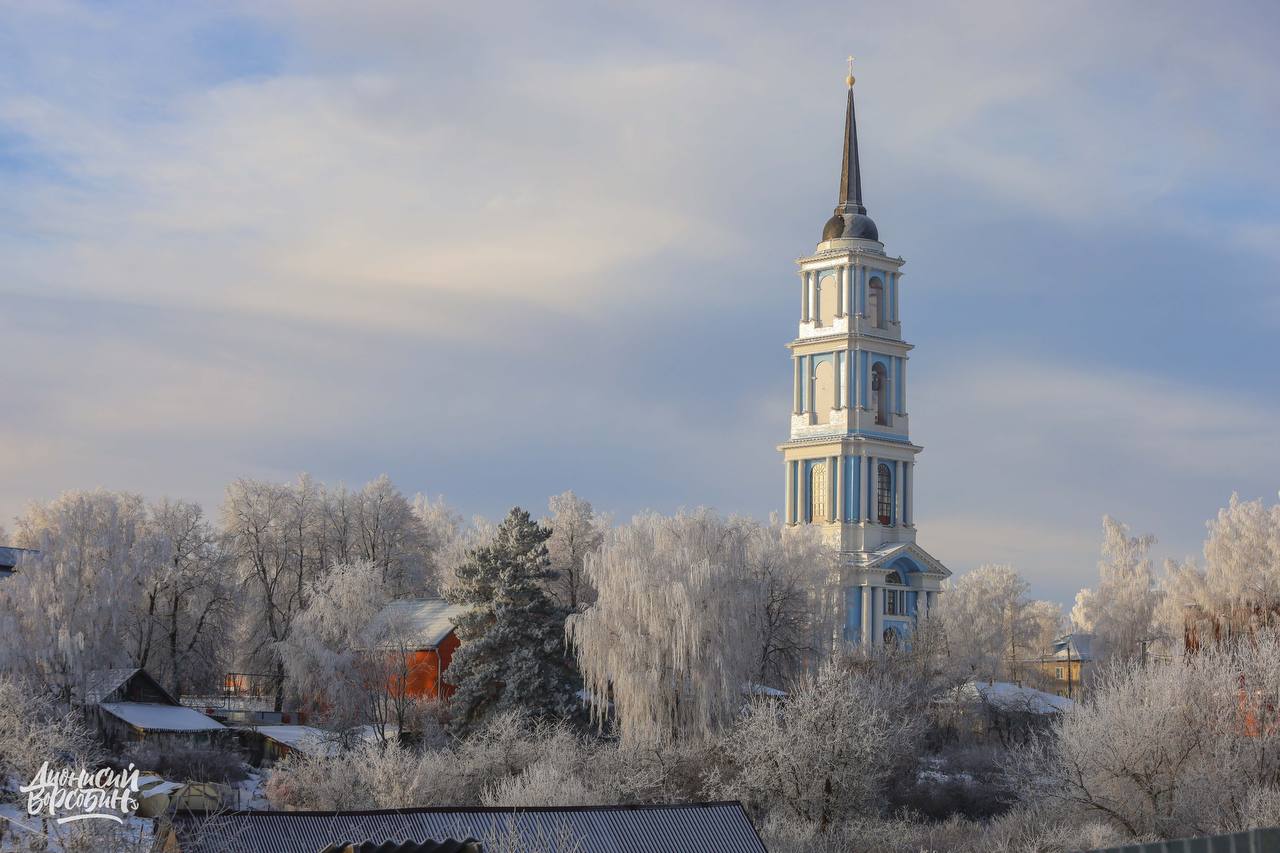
(691, 828)
(885, 556)
(105, 685)
(419, 623)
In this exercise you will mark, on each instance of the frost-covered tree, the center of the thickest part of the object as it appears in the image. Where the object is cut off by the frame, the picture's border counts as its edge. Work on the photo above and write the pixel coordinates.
(1177, 748)
(512, 654)
(822, 753)
(990, 623)
(576, 531)
(275, 536)
(689, 609)
(186, 602)
(1242, 559)
(1120, 611)
(73, 606)
(342, 660)
(379, 525)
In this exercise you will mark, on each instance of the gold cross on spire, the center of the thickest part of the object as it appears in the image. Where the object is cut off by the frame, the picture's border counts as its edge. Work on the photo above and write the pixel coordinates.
(849, 80)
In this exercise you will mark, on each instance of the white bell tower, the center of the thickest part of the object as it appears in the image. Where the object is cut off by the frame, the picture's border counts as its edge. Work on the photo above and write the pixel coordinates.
(850, 464)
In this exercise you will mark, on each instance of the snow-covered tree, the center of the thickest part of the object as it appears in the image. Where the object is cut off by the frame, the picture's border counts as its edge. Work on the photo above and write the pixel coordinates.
(379, 525)
(1120, 611)
(1174, 748)
(340, 659)
(990, 623)
(512, 654)
(1242, 559)
(689, 609)
(186, 602)
(822, 753)
(576, 531)
(72, 607)
(275, 536)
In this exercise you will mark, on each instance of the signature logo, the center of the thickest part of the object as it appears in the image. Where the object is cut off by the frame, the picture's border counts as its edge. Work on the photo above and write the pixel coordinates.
(80, 794)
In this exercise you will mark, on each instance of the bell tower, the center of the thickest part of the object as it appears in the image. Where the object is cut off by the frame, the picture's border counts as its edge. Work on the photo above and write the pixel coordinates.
(849, 461)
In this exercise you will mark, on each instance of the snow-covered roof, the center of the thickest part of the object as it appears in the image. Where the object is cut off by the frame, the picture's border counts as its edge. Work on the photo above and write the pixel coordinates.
(1006, 696)
(419, 623)
(1075, 646)
(10, 557)
(161, 718)
(101, 683)
(313, 741)
(306, 739)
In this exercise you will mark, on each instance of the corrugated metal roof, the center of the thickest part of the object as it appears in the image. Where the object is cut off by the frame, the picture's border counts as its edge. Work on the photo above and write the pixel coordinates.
(421, 623)
(449, 845)
(690, 828)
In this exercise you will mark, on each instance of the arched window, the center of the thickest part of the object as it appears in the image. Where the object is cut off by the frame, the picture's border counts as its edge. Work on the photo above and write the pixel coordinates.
(894, 577)
(880, 393)
(884, 495)
(818, 493)
(875, 303)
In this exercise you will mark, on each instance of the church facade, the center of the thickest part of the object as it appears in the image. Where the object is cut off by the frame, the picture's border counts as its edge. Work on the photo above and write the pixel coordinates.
(850, 462)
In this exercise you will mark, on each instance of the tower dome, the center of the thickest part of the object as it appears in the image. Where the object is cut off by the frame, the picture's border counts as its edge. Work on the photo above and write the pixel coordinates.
(850, 220)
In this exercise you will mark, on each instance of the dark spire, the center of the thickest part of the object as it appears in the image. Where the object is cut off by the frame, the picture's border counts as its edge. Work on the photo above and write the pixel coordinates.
(850, 219)
(850, 173)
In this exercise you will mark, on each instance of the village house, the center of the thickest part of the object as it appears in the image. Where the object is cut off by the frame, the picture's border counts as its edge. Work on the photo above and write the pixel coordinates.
(1066, 668)
(421, 630)
(128, 706)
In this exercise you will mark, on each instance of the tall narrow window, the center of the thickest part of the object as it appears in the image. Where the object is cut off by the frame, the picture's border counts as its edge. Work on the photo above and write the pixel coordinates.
(875, 303)
(880, 393)
(884, 495)
(818, 493)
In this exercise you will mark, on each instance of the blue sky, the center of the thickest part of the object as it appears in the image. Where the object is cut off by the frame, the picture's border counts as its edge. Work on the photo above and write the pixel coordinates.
(504, 251)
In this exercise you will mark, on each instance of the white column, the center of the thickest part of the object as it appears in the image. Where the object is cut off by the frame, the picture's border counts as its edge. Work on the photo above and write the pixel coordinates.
(867, 618)
(908, 513)
(815, 307)
(871, 489)
(897, 284)
(804, 297)
(832, 491)
(855, 368)
(846, 285)
(855, 288)
(898, 520)
(839, 295)
(902, 410)
(877, 614)
(799, 389)
(842, 488)
(788, 512)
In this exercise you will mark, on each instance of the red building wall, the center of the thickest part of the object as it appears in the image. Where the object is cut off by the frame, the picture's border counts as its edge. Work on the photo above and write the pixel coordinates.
(427, 668)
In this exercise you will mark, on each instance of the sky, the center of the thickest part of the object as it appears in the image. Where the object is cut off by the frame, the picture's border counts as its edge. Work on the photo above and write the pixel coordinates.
(502, 250)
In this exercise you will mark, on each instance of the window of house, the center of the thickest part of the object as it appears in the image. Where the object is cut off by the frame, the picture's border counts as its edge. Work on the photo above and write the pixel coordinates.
(1057, 673)
(884, 495)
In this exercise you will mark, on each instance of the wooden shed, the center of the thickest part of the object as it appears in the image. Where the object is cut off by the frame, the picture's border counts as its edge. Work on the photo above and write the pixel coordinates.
(128, 705)
(420, 630)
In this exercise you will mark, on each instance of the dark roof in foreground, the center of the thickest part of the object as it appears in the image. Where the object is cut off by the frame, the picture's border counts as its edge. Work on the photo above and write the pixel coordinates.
(689, 828)
(449, 845)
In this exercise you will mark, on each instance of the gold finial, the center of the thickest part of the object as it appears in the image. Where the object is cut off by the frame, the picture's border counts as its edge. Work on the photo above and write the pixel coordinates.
(848, 81)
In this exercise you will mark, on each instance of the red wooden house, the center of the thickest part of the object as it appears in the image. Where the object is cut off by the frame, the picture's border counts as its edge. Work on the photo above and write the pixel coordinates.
(420, 630)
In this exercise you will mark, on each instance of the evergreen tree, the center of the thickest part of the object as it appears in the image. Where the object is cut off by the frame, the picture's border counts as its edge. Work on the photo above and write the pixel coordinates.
(513, 654)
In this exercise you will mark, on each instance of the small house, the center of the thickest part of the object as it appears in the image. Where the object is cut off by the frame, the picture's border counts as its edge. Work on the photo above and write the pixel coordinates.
(1066, 667)
(419, 632)
(128, 706)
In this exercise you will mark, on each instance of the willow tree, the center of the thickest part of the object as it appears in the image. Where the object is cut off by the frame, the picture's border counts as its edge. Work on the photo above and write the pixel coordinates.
(690, 608)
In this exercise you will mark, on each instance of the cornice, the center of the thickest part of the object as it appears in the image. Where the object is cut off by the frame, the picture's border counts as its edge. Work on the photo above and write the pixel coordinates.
(858, 257)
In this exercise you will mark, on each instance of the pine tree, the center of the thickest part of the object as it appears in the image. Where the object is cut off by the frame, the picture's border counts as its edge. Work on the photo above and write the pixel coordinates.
(513, 654)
